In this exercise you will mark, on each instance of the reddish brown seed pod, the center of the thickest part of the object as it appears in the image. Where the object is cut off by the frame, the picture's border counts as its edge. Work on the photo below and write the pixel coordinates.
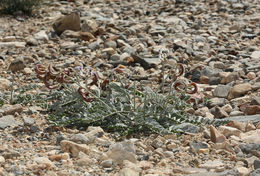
(194, 90)
(39, 69)
(177, 86)
(84, 95)
(94, 79)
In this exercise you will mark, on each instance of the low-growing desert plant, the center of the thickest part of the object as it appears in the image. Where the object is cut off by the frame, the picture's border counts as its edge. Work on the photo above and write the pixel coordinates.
(14, 6)
(118, 105)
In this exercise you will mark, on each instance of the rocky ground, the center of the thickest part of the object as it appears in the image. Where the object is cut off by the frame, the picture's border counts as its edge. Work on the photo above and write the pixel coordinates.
(218, 41)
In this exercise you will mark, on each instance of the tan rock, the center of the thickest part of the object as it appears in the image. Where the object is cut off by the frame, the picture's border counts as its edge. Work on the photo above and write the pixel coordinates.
(121, 151)
(4, 84)
(74, 148)
(251, 136)
(229, 131)
(89, 26)
(251, 75)
(2, 160)
(16, 65)
(243, 171)
(68, 22)
(228, 108)
(44, 161)
(127, 172)
(12, 44)
(227, 77)
(12, 109)
(216, 136)
(212, 164)
(250, 126)
(78, 34)
(239, 125)
(239, 90)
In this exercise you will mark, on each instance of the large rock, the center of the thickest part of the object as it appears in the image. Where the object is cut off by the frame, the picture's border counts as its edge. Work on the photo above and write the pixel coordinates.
(239, 90)
(68, 22)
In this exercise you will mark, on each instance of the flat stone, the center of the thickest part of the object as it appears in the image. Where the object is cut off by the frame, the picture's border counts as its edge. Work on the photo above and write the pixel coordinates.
(12, 109)
(121, 151)
(255, 55)
(251, 136)
(217, 102)
(127, 172)
(229, 131)
(7, 121)
(13, 44)
(74, 148)
(187, 127)
(221, 91)
(212, 164)
(257, 164)
(243, 171)
(239, 90)
(28, 121)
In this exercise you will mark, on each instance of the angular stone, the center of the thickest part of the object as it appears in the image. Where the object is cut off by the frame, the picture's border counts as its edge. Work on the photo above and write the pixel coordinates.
(228, 108)
(218, 112)
(127, 172)
(28, 121)
(12, 44)
(78, 34)
(16, 65)
(227, 77)
(12, 109)
(43, 160)
(255, 55)
(239, 125)
(74, 148)
(257, 164)
(216, 136)
(243, 171)
(89, 26)
(229, 131)
(107, 163)
(68, 22)
(6, 121)
(41, 35)
(121, 151)
(251, 136)
(216, 102)
(221, 91)
(187, 127)
(212, 164)
(239, 90)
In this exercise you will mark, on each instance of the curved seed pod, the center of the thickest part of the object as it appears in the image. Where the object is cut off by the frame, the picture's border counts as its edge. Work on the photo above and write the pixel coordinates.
(94, 79)
(40, 69)
(194, 90)
(84, 95)
(53, 86)
(52, 71)
(179, 84)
